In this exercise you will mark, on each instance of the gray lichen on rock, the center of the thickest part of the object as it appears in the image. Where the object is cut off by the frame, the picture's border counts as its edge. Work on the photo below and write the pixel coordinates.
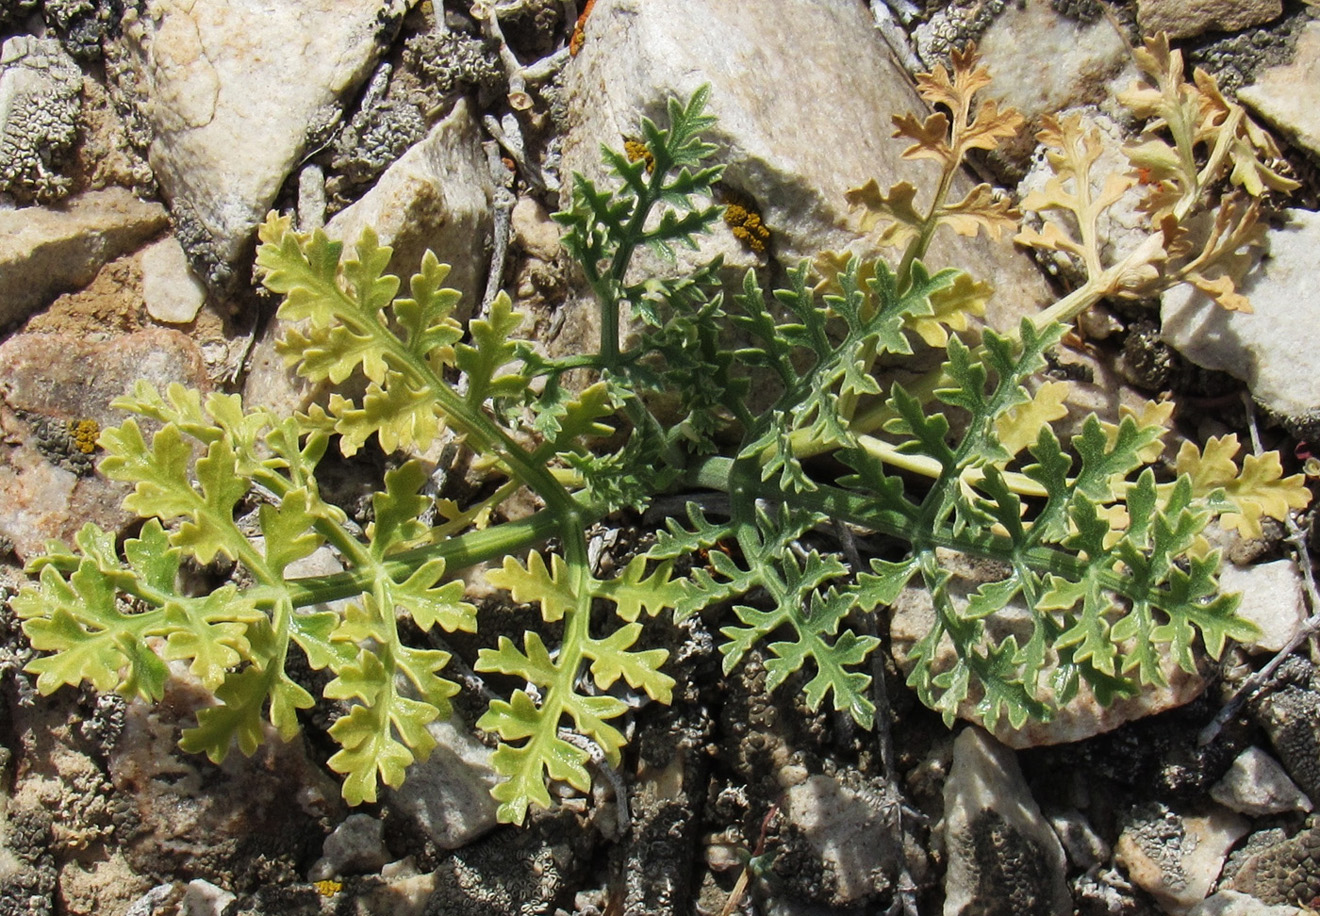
(40, 99)
(1235, 58)
(454, 62)
(1287, 872)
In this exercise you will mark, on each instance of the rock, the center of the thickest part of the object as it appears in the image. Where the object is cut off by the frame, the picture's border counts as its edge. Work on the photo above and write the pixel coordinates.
(40, 100)
(202, 898)
(356, 846)
(794, 138)
(1291, 719)
(1287, 97)
(438, 197)
(1232, 903)
(51, 408)
(533, 230)
(850, 828)
(1273, 599)
(1067, 63)
(1085, 848)
(238, 823)
(912, 615)
(170, 291)
(1002, 854)
(1257, 785)
(1286, 872)
(48, 251)
(1186, 18)
(1270, 348)
(1177, 858)
(230, 93)
(447, 796)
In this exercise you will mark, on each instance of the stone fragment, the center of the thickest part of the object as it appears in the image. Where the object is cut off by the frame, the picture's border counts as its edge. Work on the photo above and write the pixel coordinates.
(48, 251)
(1272, 598)
(1066, 64)
(230, 92)
(202, 898)
(436, 197)
(1287, 97)
(447, 797)
(851, 830)
(794, 138)
(1187, 18)
(1285, 872)
(40, 99)
(356, 846)
(912, 615)
(1175, 857)
(169, 290)
(1233, 903)
(1291, 719)
(1269, 349)
(1085, 848)
(51, 408)
(230, 823)
(1003, 855)
(1256, 785)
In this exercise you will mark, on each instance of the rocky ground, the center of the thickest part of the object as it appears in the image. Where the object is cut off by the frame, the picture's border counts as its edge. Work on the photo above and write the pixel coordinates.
(141, 142)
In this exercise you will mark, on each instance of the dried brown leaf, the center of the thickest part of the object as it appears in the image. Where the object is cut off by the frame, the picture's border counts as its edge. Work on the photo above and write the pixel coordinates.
(982, 208)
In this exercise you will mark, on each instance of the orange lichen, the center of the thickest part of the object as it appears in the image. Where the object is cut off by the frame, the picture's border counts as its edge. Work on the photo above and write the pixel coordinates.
(747, 226)
(580, 30)
(84, 434)
(635, 150)
(328, 887)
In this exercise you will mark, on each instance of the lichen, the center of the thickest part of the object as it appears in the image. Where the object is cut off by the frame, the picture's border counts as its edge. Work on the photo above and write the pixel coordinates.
(83, 433)
(44, 86)
(636, 150)
(454, 62)
(748, 226)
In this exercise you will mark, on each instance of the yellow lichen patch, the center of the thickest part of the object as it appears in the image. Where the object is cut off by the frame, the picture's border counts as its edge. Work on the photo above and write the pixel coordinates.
(329, 887)
(748, 227)
(84, 434)
(635, 150)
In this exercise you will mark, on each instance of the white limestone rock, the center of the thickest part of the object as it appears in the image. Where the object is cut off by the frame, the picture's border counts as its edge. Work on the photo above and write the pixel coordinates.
(45, 251)
(1257, 785)
(1000, 848)
(1272, 349)
(170, 291)
(1234, 903)
(794, 137)
(1287, 97)
(1174, 857)
(1186, 18)
(231, 91)
(1272, 599)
